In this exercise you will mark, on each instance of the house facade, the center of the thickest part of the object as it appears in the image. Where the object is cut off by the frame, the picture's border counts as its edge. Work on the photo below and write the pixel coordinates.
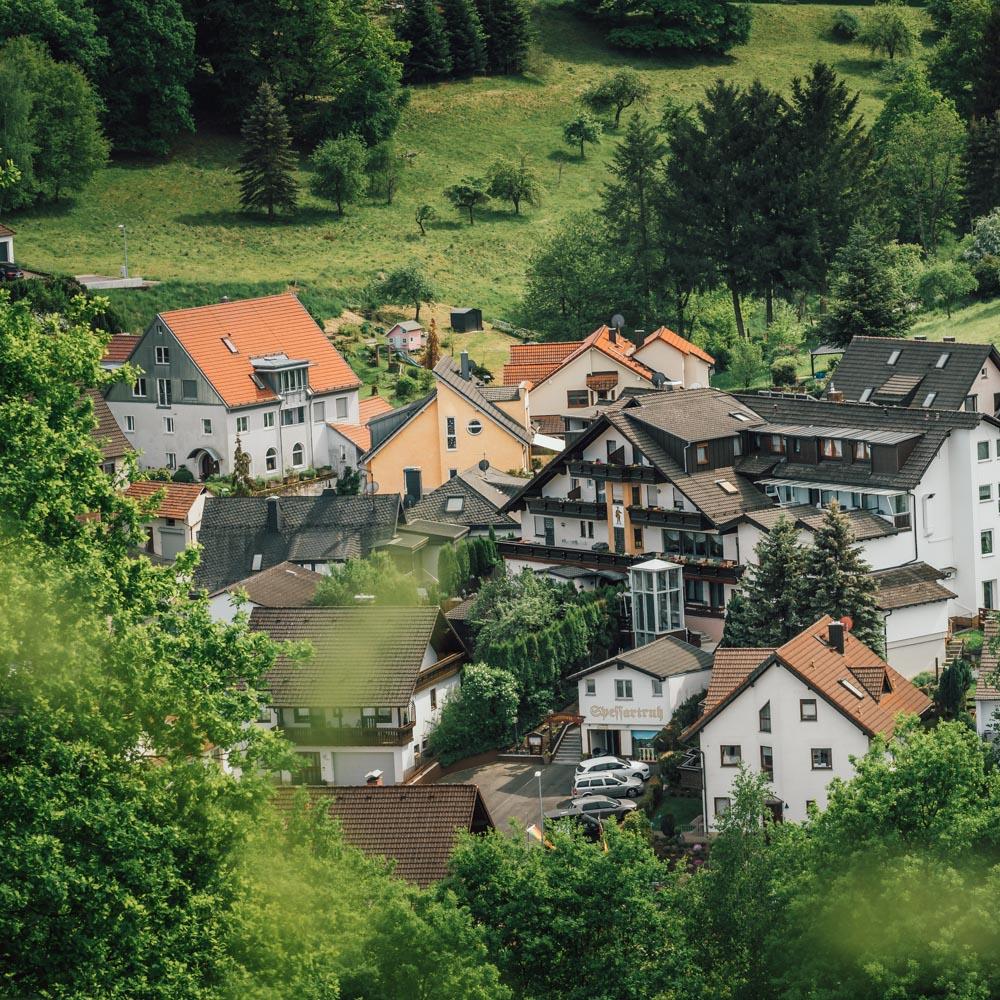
(6, 245)
(370, 694)
(796, 714)
(260, 370)
(349, 442)
(176, 521)
(406, 336)
(987, 697)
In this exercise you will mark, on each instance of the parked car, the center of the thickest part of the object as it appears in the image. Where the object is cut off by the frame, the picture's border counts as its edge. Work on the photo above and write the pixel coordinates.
(9, 271)
(605, 783)
(592, 806)
(614, 765)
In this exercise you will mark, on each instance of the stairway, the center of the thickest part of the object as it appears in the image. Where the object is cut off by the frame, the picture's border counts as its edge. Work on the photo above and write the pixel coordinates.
(571, 748)
(953, 648)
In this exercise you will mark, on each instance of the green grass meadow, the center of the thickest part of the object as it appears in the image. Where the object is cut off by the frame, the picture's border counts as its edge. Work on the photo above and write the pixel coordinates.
(184, 227)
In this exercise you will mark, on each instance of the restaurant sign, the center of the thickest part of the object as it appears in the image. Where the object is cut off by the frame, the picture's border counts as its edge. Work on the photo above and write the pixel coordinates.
(622, 713)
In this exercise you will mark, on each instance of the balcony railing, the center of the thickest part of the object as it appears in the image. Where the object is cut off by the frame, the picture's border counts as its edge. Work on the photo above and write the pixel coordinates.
(349, 736)
(566, 554)
(665, 517)
(590, 509)
(615, 473)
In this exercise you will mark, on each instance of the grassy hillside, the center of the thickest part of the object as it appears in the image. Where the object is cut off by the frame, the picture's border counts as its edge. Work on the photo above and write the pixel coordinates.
(184, 227)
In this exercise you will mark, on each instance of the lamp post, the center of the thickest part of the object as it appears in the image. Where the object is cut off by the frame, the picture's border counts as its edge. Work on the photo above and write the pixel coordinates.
(122, 230)
(541, 814)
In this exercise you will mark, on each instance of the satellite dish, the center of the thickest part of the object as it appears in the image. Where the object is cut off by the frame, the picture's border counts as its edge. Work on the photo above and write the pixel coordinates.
(483, 465)
(371, 488)
(618, 321)
(658, 379)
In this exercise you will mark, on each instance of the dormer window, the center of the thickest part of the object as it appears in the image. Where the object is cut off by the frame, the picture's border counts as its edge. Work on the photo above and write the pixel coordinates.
(831, 448)
(943, 360)
(894, 357)
(862, 451)
(292, 379)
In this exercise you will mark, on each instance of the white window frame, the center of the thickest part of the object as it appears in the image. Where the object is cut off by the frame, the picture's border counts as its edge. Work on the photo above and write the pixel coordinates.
(129, 423)
(340, 407)
(623, 689)
(269, 418)
(450, 434)
(206, 426)
(140, 384)
(988, 495)
(657, 687)
(474, 426)
(319, 412)
(242, 425)
(164, 392)
(298, 446)
(162, 355)
(590, 685)
(271, 460)
(986, 542)
(168, 425)
(171, 460)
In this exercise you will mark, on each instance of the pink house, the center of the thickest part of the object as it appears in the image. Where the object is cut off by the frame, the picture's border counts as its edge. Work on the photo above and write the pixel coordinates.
(407, 336)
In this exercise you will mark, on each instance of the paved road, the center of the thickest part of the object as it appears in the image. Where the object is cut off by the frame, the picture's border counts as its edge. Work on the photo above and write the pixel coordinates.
(511, 789)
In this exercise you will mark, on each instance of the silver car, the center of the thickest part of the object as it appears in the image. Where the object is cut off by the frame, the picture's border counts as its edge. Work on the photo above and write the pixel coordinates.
(614, 765)
(592, 807)
(621, 786)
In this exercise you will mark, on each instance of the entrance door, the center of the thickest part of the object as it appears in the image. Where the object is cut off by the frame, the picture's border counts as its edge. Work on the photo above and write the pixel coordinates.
(206, 465)
(411, 479)
(550, 531)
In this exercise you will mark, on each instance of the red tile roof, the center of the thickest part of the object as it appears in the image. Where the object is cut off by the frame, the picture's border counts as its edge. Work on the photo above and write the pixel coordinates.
(676, 340)
(110, 438)
(372, 407)
(120, 347)
(177, 503)
(730, 669)
(986, 690)
(620, 350)
(532, 362)
(270, 325)
(355, 433)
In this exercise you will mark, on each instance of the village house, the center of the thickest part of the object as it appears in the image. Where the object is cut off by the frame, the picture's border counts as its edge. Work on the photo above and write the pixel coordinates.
(177, 519)
(283, 586)
(6, 245)
(796, 714)
(473, 498)
(417, 447)
(260, 370)
(118, 350)
(369, 696)
(110, 439)
(349, 442)
(406, 336)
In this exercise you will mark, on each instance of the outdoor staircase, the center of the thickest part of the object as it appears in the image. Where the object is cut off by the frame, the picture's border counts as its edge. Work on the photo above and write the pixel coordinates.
(570, 750)
(953, 648)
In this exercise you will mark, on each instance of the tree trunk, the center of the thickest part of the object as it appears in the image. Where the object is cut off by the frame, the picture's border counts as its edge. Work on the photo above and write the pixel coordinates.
(517, 205)
(270, 211)
(618, 115)
(737, 310)
(471, 220)
(769, 304)
(423, 232)
(417, 313)
(583, 155)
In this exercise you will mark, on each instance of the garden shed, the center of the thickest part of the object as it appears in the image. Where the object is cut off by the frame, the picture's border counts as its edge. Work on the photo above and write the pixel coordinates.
(466, 320)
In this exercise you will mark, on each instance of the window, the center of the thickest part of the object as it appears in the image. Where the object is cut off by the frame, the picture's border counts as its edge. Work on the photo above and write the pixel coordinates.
(189, 388)
(292, 379)
(452, 473)
(862, 451)
(893, 357)
(242, 425)
(168, 425)
(942, 361)
(971, 403)
(454, 505)
(298, 456)
(985, 493)
(434, 699)
(865, 394)
(139, 387)
(731, 755)
(171, 460)
(269, 419)
(539, 527)
(637, 538)
(701, 453)
(717, 595)
(822, 758)
(657, 687)
(807, 709)
(623, 689)
(163, 355)
(831, 448)
(130, 424)
(989, 594)
(591, 686)
(776, 443)
(206, 425)
(767, 761)
(271, 460)
(721, 807)
(577, 397)
(586, 529)
(340, 407)
(164, 392)
(230, 346)
(986, 542)
(301, 715)
(929, 399)
(764, 715)
(474, 427)
(295, 415)
(319, 412)
(983, 451)
(451, 438)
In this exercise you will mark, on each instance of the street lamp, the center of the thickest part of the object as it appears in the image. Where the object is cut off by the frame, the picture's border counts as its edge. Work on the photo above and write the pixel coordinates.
(541, 814)
(121, 229)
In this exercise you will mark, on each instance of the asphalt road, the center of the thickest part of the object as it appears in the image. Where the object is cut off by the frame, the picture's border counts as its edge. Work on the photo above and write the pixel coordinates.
(511, 789)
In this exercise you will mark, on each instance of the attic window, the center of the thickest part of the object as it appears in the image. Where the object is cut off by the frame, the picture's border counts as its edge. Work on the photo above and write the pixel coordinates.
(454, 505)
(741, 417)
(943, 360)
(894, 357)
(256, 564)
(850, 687)
(929, 399)
(258, 381)
(726, 486)
(865, 394)
(230, 346)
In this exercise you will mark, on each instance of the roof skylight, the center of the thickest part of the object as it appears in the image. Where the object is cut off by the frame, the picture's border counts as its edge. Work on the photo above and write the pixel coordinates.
(929, 399)
(726, 486)
(454, 505)
(943, 360)
(865, 394)
(857, 692)
(230, 346)
(894, 357)
(741, 417)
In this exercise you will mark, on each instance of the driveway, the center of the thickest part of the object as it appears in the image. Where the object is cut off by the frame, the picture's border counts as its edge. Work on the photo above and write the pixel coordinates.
(511, 789)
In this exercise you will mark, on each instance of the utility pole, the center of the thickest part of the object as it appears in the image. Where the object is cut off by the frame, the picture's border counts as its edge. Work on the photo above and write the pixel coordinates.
(122, 230)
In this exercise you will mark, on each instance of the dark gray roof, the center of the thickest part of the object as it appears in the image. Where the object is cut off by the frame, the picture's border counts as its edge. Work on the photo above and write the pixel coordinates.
(283, 586)
(909, 586)
(864, 523)
(448, 371)
(662, 658)
(385, 425)
(501, 393)
(362, 656)
(325, 528)
(915, 373)
(693, 414)
(475, 508)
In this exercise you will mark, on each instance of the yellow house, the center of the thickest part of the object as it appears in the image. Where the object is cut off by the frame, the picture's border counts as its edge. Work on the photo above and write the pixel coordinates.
(416, 448)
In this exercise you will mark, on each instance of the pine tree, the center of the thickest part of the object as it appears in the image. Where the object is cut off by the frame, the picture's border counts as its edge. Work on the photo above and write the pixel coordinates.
(432, 351)
(986, 82)
(267, 163)
(953, 687)
(767, 610)
(982, 166)
(837, 581)
(466, 38)
(429, 57)
(507, 24)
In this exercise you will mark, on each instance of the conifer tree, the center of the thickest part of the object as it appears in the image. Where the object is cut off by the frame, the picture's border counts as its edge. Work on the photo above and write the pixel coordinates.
(466, 38)
(767, 610)
(982, 166)
(986, 82)
(507, 24)
(242, 482)
(267, 163)
(432, 351)
(429, 57)
(837, 582)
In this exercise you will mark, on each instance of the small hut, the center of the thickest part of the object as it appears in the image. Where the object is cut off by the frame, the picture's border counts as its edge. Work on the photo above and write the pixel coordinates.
(466, 320)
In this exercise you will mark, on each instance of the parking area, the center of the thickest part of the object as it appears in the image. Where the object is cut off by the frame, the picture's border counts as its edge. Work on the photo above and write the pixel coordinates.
(511, 789)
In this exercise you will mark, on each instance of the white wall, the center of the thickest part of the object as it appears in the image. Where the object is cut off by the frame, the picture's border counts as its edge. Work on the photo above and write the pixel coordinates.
(986, 709)
(687, 369)
(550, 396)
(915, 637)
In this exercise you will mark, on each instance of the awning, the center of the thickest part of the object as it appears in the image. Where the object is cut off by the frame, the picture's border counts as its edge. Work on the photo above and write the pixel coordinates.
(548, 443)
(602, 381)
(208, 450)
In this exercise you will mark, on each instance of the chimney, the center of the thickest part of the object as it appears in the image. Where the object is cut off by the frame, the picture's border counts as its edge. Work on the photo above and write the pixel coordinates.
(373, 777)
(466, 368)
(836, 636)
(948, 340)
(613, 335)
(273, 516)
(835, 396)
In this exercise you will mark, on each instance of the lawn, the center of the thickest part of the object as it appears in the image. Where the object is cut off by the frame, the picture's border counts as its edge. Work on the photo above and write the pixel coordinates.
(182, 214)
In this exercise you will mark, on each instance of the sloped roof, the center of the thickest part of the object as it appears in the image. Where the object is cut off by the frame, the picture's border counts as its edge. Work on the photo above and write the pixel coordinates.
(269, 325)
(372, 406)
(909, 586)
(415, 826)
(986, 689)
(731, 666)
(666, 657)
(324, 528)
(407, 325)
(360, 436)
(447, 371)
(533, 362)
(865, 366)
(864, 524)
(480, 504)
(178, 500)
(120, 347)
(694, 414)
(618, 349)
(283, 586)
(6, 230)
(361, 655)
(675, 340)
(107, 435)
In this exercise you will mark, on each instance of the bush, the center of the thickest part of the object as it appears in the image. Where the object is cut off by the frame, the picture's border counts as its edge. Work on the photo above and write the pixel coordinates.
(404, 387)
(183, 475)
(846, 26)
(668, 825)
(308, 473)
(157, 475)
(783, 372)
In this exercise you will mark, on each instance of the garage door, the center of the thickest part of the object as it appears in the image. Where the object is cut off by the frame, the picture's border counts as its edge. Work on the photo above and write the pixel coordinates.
(171, 542)
(351, 768)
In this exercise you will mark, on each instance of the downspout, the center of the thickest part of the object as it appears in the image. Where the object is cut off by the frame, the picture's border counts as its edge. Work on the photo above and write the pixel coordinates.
(913, 507)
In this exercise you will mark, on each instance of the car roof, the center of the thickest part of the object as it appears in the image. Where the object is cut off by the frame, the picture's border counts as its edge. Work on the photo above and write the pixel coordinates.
(581, 799)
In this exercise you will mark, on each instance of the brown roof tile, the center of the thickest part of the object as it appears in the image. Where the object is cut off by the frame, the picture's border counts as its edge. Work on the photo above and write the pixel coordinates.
(355, 433)
(177, 502)
(110, 438)
(909, 586)
(533, 362)
(372, 407)
(730, 669)
(283, 586)
(120, 346)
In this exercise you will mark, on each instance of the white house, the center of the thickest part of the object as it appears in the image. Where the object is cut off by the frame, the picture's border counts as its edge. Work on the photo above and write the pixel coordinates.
(176, 522)
(677, 358)
(285, 585)
(626, 700)
(370, 695)
(796, 714)
(406, 336)
(260, 370)
(987, 691)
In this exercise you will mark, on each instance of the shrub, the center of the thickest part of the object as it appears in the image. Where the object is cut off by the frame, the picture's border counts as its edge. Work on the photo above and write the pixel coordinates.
(158, 475)
(183, 475)
(846, 26)
(308, 473)
(404, 387)
(668, 825)
(783, 372)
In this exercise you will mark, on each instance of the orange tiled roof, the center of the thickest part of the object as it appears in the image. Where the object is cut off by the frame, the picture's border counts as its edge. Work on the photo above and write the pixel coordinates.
(177, 503)
(120, 347)
(676, 340)
(730, 668)
(269, 325)
(533, 362)
(373, 406)
(355, 433)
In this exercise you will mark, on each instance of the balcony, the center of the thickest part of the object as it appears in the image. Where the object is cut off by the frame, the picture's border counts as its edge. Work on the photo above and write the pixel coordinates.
(700, 568)
(566, 554)
(590, 509)
(665, 517)
(613, 472)
(349, 736)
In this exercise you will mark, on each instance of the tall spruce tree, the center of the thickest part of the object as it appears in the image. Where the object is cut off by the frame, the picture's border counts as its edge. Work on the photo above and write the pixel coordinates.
(507, 24)
(466, 38)
(982, 166)
(767, 610)
(429, 57)
(267, 163)
(837, 582)
(986, 81)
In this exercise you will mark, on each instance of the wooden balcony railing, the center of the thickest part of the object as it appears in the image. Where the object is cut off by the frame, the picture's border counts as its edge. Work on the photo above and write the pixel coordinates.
(616, 473)
(349, 736)
(666, 517)
(590, 509)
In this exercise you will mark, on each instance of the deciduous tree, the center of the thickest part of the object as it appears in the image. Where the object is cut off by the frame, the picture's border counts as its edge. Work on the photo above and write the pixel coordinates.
(514, 182)
(582, 129)
(886, 32)
(467, 195)
(616, 92)
(339, 170)
(385, 168)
